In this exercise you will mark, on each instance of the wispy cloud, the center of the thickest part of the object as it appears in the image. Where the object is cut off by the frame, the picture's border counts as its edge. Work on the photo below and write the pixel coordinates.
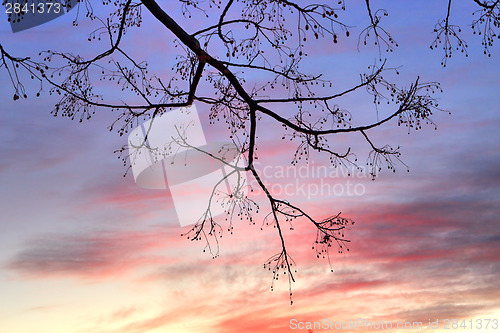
(96, 255)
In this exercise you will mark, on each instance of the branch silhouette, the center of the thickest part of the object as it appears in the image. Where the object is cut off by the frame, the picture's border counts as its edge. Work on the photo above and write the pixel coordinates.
(269, 37)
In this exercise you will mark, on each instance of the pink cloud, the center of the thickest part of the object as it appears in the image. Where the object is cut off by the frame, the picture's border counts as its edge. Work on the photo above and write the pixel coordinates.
(94, 256)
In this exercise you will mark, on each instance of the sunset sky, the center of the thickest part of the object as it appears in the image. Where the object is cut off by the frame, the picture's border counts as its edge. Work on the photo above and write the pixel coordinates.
(84, 249)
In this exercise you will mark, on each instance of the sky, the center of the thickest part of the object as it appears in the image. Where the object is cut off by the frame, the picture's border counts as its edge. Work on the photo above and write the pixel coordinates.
(84, 249)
